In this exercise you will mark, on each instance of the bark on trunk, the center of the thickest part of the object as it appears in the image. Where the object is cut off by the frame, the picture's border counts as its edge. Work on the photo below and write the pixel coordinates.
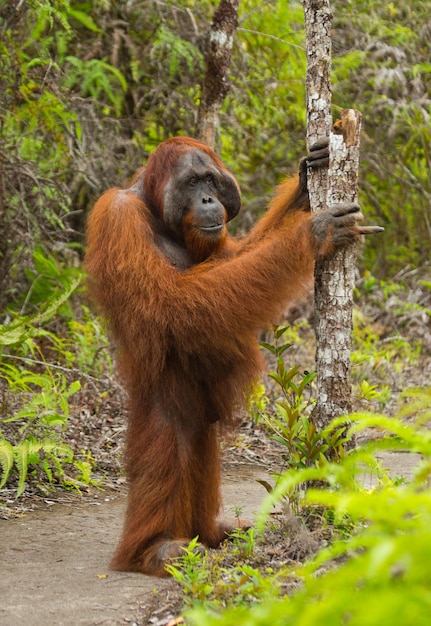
(334, 282)
(216, 84)
(334, 277)
(318, 21)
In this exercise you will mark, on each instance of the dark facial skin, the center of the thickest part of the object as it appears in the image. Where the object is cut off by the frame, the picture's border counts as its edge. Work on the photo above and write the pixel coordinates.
(205, 212)
(200, 193)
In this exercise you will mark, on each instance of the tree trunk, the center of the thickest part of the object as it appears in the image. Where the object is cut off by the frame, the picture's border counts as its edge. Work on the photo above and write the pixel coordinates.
(334, 283)
(318, 21)
(216, 84)
(334, 277)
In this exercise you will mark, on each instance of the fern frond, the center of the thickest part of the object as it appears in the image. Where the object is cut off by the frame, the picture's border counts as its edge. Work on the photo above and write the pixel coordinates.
(21, 454)
(6, 460)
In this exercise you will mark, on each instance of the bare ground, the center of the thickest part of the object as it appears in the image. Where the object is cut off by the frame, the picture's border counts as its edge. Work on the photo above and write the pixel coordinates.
(55, 562)
(55, 559)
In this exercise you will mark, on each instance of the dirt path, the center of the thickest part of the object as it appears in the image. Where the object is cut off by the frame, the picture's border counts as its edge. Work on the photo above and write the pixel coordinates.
(54, 563)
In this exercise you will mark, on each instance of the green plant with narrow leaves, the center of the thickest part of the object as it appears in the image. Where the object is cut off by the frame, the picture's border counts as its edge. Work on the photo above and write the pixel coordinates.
(190, 571)
(207, 583)
(22, 330)
(97, 78)
(290, 421)
(36, 393)
(48, 455)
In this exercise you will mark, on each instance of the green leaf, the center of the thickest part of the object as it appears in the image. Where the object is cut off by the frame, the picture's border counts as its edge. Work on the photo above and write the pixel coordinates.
(21, 456)
(85, 19)
(280, 330)
(269, 347)
(45, 264)
(13, 334)
(6, 460)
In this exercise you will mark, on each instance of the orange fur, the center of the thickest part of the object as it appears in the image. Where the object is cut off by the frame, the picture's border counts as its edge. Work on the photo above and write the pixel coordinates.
(202, 247)
(187, 344)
